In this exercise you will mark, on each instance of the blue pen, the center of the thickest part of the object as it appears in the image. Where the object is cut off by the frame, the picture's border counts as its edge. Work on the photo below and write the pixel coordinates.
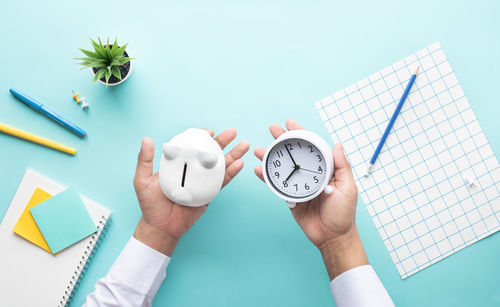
(391, 123)
(48, 112)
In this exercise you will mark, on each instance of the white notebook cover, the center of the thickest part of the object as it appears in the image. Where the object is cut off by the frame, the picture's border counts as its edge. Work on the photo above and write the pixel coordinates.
(29, 275)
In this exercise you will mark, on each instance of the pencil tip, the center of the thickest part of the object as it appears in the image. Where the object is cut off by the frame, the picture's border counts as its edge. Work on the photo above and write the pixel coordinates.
(416, 70)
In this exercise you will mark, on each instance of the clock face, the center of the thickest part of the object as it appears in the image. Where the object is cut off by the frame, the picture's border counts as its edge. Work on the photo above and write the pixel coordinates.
(296, 168)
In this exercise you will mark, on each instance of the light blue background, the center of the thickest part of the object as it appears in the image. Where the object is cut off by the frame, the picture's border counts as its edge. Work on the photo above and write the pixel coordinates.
(242, 64)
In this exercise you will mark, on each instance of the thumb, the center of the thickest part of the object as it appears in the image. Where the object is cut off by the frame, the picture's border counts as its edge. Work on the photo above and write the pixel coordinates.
(145, 160)
(343, 170)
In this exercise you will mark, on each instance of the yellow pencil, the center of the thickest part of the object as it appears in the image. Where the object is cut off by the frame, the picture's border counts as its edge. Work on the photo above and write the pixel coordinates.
(36, 139)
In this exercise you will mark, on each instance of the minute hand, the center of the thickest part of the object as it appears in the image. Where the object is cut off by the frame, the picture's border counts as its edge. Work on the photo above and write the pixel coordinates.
(290, 155)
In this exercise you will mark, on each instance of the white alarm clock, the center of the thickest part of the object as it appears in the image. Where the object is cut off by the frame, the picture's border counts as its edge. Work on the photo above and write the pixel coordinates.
(298, 166)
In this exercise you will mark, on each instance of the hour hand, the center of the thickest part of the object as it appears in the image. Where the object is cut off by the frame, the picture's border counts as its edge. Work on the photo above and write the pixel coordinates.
(296, 167)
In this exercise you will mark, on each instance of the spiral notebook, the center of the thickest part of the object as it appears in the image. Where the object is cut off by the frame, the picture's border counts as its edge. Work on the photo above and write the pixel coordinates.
(29, 275)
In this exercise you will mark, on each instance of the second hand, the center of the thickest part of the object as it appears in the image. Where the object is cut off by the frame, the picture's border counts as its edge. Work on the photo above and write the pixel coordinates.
(305, 169)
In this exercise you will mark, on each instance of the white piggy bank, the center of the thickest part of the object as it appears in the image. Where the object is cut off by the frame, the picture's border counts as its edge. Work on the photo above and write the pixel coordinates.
(192, 168)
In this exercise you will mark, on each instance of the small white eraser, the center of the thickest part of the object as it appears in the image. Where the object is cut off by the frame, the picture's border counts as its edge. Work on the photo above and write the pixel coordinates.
(328, 190)
(469, 181)
(367, 171)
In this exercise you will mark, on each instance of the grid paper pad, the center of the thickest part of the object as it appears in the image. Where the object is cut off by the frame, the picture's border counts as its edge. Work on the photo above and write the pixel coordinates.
(417, 193)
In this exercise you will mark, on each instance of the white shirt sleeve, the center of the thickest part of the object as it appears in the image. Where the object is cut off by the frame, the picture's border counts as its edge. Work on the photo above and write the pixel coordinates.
(359, 287)
(134, 278)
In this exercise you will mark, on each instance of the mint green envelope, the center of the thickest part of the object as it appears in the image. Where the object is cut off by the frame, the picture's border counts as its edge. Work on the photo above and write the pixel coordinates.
(63, 220)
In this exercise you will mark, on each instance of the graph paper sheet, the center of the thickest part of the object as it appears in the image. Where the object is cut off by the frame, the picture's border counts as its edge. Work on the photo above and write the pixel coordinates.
(417, 193)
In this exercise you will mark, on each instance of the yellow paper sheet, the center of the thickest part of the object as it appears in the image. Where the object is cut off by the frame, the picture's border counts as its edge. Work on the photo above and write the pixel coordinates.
(26, 226)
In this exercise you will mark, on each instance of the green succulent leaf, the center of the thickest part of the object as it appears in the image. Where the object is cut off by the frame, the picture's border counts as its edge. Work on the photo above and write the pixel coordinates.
(115, 62)
(124, 60)
(114, 48)
(107, 75)
(116, 72)
(99, 74)
(92, 64)
(121, 50)
(107, 48)
(97, 48)
(89, 53)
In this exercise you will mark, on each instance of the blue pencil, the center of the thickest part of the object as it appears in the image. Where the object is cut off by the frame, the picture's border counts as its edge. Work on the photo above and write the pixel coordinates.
(33, 103)
(391, 122)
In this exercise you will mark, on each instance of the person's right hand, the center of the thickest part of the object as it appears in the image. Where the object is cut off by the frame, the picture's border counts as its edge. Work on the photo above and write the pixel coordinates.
(328, 221)
(163, 222)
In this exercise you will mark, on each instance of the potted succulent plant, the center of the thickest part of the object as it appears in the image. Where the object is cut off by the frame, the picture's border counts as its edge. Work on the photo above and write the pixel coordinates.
(110, 63)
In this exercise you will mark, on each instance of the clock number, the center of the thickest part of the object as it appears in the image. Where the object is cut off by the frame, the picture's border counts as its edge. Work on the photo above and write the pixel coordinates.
(315, 179)
(277, 163)
(296, 187)
(306, 186)
(289, 146)
(285, 184)
(298, 143)
(279, 153)
(319, 158)
(311, 148)
(320, 169)
(277, 174)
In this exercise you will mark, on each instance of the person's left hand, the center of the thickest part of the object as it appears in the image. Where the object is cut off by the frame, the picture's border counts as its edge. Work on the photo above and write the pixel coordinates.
(163, 222)
(329, 221)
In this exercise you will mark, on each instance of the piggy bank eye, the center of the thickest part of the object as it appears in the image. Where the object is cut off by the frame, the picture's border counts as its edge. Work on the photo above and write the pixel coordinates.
(170, 151)
(207, 159)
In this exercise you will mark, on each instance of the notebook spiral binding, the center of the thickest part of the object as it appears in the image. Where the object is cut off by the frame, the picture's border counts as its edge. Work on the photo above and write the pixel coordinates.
(81, 268)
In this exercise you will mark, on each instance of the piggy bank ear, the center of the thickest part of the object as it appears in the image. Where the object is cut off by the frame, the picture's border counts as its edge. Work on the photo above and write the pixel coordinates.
(207, 159)
(170, 151)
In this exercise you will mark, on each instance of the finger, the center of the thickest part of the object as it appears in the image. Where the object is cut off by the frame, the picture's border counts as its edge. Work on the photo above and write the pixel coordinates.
(237, 152)
(276, 130)
(211, 132)
(225, 137)
(232, 170)
(259, 152)
(343, 170)
(145, 160)
(293, 125)
(298, 211)
(258, 172)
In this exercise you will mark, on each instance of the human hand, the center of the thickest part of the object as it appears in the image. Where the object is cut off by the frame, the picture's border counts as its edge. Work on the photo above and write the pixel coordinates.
(328, 221)
(163, 222)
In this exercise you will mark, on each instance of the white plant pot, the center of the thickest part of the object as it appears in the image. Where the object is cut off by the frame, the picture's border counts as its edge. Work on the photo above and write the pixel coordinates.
(113, 84)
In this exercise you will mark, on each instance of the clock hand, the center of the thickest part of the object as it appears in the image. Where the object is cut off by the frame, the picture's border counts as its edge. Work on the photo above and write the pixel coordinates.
(290, 155)
(305, 169)
(296, 167)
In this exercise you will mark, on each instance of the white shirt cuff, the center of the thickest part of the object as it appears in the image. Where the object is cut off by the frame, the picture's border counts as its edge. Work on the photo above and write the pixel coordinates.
(140, 267)
(359, 287)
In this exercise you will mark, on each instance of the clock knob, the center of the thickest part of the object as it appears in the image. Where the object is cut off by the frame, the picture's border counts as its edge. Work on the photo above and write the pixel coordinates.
(328, 190)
